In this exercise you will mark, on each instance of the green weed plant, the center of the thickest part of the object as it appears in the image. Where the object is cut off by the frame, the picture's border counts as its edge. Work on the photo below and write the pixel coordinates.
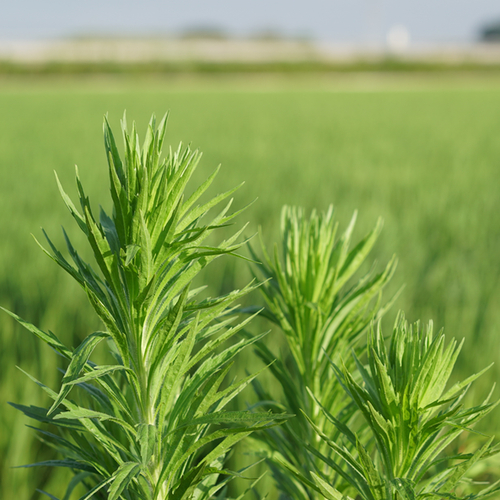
(151, 424)
(411, 419)
(312, 296)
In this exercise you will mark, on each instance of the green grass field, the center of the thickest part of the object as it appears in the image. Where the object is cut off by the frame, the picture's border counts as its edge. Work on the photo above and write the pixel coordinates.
(423, 154)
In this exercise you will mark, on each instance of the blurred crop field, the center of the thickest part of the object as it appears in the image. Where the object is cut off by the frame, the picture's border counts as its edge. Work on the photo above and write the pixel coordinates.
(422, 153)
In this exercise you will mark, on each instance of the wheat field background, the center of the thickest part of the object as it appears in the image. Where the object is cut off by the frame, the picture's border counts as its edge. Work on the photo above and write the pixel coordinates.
(422, 153)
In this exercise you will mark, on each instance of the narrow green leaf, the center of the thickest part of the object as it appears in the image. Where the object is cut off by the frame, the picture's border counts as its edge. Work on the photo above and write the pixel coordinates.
(84, 413)
(52, 497)
(96, 488)
(131, 252)
(121, 479)
(78, 361)
(328, 491)
(48, 338)
(146, 436)
(71, 207)
(98, 373)
(235, 417)
(40, 414)
(71, 464)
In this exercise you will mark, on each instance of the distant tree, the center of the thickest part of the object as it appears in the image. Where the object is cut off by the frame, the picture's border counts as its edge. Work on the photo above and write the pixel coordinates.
(204, 32)
(490, 32)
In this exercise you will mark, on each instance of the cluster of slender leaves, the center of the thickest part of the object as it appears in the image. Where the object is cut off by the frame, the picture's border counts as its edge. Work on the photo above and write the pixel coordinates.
(314, 298)
(412, 420)
(151, 424)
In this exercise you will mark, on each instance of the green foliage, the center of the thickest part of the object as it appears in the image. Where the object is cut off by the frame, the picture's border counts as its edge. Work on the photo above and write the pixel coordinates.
(312, 296)
(152, 424)
(421, 153)
(412, 419)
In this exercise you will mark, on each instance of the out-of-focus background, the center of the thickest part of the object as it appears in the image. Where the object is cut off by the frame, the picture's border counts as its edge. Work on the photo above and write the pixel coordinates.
(389, 107)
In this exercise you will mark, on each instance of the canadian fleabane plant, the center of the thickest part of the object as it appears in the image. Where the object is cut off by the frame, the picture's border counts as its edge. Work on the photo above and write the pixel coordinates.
(151, 424)
(412, 420)
(314, 296)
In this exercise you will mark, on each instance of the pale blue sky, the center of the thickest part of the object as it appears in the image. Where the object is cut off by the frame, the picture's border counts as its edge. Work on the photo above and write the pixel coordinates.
(336, 20)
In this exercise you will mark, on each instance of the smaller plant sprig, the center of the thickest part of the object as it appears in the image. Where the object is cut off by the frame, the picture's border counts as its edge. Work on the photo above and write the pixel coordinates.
(151, 425)
(412, 420)
(312, 295)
